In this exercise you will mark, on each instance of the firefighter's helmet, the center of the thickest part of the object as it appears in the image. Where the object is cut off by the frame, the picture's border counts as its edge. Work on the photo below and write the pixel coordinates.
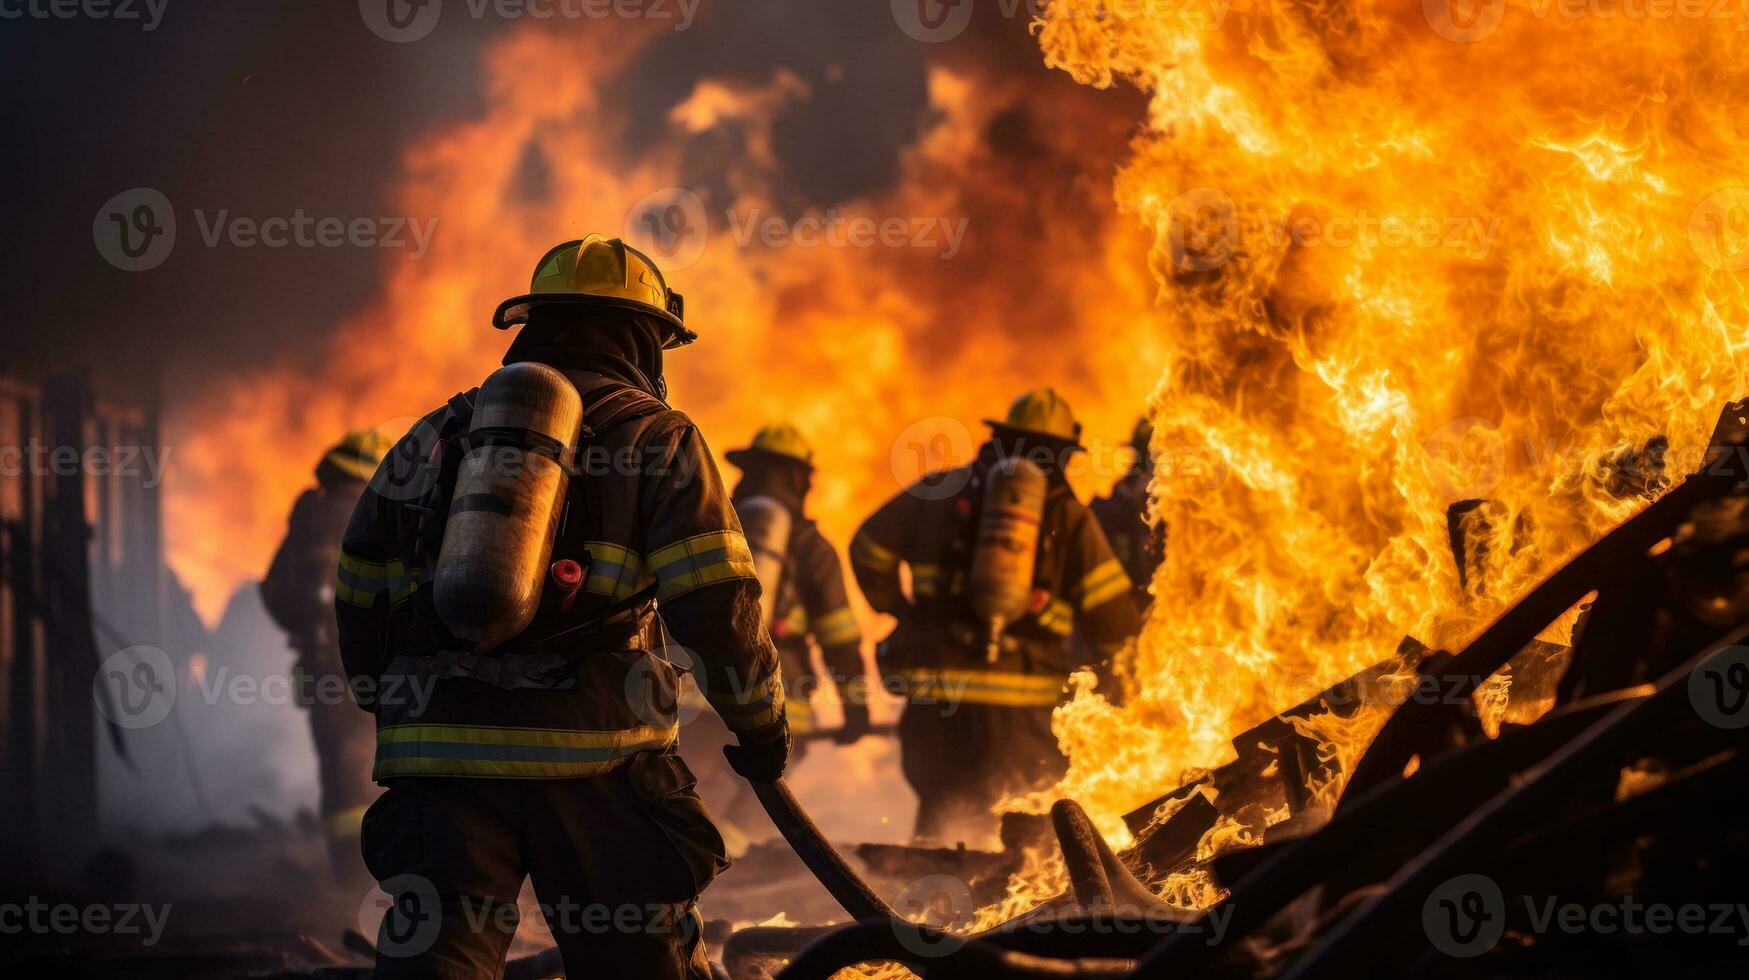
(781, 440)
(597, 271)
(358, 454)
(1041, 413)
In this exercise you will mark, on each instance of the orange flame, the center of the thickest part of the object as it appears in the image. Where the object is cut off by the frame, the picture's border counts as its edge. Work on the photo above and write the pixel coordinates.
(1414, 253)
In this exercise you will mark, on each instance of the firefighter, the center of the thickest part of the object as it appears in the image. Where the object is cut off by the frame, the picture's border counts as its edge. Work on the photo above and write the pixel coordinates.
(552, 754)
(298, 593)
(1123, 516)
(803, 589)
(977, 721)
(811, 603)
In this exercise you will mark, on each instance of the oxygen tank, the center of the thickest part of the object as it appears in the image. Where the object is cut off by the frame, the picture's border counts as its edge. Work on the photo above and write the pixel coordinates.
(1006, 549)
(509, 497)
(766, 523)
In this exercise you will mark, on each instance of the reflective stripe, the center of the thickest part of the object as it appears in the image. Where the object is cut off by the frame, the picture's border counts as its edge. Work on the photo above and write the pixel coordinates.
(865, 551)
(800, 714)
(1103, 584)
(996, 687)
(346, 823)
(614, 570)
(1058, 617)
(836, 628)
(513, 753)
(926, 580)
(359, 582)
(704, 559)
(752, 709)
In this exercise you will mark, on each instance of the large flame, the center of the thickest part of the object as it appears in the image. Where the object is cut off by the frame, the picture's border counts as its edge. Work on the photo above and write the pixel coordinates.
(1413, 254)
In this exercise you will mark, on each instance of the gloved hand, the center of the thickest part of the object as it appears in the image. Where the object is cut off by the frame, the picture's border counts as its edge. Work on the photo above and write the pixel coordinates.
(762, 760)
(855, 722)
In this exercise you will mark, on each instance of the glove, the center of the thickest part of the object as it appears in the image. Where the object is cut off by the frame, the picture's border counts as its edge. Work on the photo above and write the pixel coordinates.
(855, 723)
(760, 761)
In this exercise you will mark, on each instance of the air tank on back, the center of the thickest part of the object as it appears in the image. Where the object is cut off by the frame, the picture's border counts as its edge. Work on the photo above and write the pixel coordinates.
(766, 523)
(509, 497)
(1000, 584)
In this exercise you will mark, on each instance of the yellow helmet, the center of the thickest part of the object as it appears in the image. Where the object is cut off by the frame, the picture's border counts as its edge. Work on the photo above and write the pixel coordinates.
(600, 271)
(358, 454)
(1041, 412)
(782, 440)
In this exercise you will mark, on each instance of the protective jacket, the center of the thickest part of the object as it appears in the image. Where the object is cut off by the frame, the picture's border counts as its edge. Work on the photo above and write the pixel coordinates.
(1077, 582)
(591, 683)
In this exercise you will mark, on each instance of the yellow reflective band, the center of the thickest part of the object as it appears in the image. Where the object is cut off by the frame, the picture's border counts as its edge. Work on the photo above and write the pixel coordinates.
(1005, 689)
(1058, 617)
(704, 559)
(359, 582)
(346, 823)
(836, 628)
(614, 570)
(926, 580)
(800, 714)
(509, 753)
(865, 551)
(1103, 584)
(752, 709)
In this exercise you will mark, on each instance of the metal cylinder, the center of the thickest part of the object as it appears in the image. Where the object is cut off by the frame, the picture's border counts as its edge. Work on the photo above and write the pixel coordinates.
(509, 497)
(767, 526)
(999, 587)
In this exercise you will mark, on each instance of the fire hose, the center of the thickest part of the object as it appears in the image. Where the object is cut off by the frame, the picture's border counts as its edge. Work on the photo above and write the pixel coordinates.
(810, 844)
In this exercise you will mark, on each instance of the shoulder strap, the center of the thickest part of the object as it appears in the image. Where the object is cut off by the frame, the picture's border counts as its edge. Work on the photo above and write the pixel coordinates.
(608, 404)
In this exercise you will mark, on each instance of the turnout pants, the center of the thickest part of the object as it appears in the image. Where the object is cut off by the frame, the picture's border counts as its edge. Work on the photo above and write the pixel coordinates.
(617, 863)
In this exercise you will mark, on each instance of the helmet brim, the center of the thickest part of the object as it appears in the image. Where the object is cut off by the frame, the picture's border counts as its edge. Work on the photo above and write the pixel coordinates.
(742, 458)
(515, 310)
(1004, 429)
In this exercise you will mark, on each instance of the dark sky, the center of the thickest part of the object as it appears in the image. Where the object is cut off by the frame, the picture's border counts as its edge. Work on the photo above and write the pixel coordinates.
(268, 106)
